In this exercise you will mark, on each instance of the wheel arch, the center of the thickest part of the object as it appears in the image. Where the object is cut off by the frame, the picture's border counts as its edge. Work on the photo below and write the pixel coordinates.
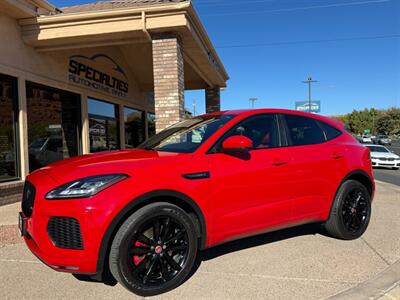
(170, 196)
(362, 177)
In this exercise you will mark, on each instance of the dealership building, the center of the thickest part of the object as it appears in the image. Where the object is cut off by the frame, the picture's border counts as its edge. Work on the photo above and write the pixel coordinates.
(95, 77)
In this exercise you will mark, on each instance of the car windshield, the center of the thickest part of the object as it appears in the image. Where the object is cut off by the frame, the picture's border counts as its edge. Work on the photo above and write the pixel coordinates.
(37, 144)
(186, 136)
(378, 149)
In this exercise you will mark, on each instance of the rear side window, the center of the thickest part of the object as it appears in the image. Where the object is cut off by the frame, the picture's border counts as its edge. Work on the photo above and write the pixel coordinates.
(330, 131)
(303, 131)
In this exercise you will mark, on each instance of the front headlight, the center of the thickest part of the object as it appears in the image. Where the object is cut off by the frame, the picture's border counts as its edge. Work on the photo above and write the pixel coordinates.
(85, 187)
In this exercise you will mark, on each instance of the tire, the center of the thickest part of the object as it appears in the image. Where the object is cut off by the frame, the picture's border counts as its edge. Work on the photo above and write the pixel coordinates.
(148, 269)
(349, 217)
(395, 168)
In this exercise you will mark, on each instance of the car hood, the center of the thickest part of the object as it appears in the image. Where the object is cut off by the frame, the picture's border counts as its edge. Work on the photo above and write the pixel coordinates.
(103, 163)
(384, 155)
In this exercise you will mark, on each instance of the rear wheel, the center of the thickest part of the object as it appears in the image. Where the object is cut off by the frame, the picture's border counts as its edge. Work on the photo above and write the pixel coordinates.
(350, 212)
(154, 250)
(395, 168)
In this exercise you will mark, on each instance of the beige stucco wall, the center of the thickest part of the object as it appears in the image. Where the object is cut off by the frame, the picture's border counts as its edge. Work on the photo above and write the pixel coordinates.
(51, 69)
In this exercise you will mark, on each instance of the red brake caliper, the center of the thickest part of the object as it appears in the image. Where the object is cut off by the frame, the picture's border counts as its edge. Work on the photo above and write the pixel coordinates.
(137, 259)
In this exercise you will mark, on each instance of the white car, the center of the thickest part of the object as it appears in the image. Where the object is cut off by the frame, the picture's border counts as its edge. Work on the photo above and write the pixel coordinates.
(383, 157)
(366, 139)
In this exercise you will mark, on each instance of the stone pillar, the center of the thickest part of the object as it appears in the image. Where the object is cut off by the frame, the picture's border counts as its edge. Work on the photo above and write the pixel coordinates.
(169, 85)
(213, 99)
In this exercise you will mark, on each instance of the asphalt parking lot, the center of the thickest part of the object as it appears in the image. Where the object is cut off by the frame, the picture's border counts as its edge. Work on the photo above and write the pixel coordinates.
(388, 175)
(299, 263)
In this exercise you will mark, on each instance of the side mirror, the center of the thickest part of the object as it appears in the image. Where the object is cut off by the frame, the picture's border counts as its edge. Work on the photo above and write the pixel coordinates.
(237, 143)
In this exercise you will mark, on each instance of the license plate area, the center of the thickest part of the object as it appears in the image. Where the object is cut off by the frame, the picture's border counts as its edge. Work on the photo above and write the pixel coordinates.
(22, 224)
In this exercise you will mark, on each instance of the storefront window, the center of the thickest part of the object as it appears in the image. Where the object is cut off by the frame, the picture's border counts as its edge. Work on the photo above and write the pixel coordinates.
(53, 125)
(134, 127)
(8, 110)
(103, 123)
(151, 124)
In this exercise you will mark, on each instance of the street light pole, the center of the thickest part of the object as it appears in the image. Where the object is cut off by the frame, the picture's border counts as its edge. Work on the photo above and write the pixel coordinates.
(309, 81)
(253, 100)
(194, 108)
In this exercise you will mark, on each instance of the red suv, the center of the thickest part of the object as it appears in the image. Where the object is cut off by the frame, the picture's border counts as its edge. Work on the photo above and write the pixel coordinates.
(142, 215)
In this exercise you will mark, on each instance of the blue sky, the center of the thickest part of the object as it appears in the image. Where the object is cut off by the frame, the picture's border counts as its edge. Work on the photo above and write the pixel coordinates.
(269, 46)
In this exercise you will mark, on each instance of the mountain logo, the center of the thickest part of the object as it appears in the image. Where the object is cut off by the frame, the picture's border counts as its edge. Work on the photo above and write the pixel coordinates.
(99, 72)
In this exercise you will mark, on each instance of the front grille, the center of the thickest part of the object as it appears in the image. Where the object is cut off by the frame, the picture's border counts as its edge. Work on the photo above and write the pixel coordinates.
(28, 198)
(65, 233)
(386, 159)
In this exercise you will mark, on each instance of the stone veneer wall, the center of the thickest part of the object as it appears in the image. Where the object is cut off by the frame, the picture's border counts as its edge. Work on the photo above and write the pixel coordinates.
(213, 99)
(169, 85)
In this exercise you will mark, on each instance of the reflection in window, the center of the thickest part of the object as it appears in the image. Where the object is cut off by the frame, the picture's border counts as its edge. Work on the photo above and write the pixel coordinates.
(103, 126)
(151, 124)
(8, 155)
(304, 131)
(261, 130)
(134, 127)
(53, 125)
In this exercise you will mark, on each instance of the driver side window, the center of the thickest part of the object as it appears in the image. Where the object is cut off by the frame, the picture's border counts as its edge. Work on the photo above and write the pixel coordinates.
(261, 129)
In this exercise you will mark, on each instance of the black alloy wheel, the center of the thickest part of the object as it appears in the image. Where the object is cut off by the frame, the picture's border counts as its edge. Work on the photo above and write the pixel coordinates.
(355, 210)
(154, 250)
(350, 212)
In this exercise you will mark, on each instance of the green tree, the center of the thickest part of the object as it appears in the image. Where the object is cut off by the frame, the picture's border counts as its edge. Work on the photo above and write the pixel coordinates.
(389, 122)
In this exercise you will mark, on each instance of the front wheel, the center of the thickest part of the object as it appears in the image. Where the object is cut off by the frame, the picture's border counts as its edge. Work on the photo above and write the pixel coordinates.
(351, 211)
(154, 250)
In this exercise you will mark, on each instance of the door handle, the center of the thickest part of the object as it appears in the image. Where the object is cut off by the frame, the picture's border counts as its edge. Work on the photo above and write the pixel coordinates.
(337, 155)
(279, 162)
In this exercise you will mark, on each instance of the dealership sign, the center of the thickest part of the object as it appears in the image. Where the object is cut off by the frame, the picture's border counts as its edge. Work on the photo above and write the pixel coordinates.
(98, 72)
(305, 106)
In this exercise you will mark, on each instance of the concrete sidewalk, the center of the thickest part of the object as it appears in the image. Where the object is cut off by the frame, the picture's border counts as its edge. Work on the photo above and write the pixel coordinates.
(299, 263)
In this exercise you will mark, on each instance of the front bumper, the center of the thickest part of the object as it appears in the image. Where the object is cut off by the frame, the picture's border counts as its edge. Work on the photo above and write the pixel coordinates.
(387, 164)
(39, 240)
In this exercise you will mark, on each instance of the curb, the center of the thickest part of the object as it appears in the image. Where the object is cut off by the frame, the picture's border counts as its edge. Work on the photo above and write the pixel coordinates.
(390, 185)
(373, 288)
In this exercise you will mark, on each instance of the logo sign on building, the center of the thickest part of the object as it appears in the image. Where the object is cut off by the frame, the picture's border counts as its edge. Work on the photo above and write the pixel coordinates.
(98, 72)
(305, 106)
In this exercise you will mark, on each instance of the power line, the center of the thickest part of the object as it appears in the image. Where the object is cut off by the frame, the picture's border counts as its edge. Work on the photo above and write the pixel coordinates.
(297, 8)
(309, 41)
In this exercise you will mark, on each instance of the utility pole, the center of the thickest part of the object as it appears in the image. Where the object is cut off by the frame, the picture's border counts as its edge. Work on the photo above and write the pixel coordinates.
(309, 81)
(194, 108)
(253, 100)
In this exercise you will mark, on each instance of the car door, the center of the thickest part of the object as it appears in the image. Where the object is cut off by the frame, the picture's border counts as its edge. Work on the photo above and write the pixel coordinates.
(316, 163)
(250, 191)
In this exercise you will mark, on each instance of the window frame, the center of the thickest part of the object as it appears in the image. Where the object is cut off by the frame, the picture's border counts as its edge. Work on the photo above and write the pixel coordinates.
(147, 113)
(215, 147)
(79, 108)
(317, 122)
(106, 118)
(143, 121)
(17, 143)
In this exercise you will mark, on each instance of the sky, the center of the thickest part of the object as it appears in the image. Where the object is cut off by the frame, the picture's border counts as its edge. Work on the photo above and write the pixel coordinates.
(268, 47)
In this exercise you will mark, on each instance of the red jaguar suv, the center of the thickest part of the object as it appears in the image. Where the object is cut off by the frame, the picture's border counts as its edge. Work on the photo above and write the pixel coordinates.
(142, 215)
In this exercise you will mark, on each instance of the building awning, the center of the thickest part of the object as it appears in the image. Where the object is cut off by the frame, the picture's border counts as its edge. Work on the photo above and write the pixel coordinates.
(130, 25)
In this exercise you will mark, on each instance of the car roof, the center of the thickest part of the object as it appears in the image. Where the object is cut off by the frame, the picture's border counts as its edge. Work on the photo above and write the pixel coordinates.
(249, 112)
(374, 145)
